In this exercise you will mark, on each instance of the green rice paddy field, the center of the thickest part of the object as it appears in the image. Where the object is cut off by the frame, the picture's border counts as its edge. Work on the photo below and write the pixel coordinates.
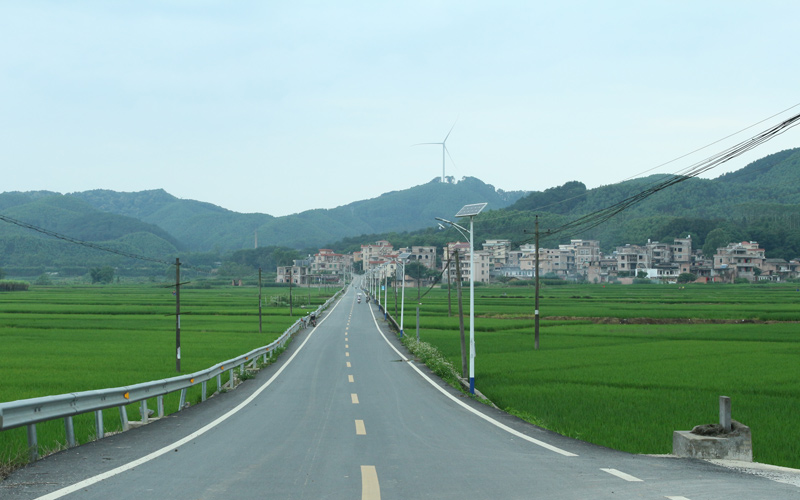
(56, 340)
(625, 366)
(620, 366)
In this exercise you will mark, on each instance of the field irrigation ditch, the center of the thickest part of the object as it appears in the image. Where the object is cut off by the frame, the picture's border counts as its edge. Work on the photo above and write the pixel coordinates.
(619, 366)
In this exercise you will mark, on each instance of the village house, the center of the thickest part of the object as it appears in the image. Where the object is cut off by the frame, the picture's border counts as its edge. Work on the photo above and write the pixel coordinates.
(329, 267)
(376, 254)
(582, 260)
(740, 260)
(426, 255)
(297, 274)
(482, 262)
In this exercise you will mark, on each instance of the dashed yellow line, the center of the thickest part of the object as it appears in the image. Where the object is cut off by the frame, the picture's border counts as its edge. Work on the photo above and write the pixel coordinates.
(360, 429)
(347, 346)
(354, 398)
(370, 488)
(350, 378)
(348, 365)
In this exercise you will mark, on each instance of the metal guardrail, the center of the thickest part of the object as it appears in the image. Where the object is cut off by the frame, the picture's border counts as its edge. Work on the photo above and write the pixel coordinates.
(29, 412)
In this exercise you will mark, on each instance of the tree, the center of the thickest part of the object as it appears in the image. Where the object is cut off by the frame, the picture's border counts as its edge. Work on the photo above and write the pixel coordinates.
(43, 280)
(687, 277)
(716, 238)
(103, 274)
(641, 274)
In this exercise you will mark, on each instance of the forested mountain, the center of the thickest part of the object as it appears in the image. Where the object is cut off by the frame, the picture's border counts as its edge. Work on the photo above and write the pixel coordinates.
(73, 217)
(203, 226)
(155, 223)
(760, 202)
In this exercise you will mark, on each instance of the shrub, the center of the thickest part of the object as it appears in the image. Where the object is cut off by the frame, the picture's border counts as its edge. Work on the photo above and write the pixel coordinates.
(13, 286)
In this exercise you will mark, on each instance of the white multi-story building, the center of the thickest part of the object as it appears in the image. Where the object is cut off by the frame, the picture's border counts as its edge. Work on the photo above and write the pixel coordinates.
(483, 258)
(376, 254)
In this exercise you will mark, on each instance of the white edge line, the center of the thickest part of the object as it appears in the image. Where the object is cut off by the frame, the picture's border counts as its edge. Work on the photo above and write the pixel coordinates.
(166, 449)
(470, 409)
(621, 475)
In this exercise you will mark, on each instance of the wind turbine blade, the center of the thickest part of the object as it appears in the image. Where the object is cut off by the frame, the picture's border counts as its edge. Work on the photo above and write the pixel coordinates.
(424, 143)
(448, 133)
(448, 155)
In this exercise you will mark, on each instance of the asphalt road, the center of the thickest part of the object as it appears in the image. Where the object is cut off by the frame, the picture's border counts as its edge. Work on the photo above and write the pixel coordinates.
(345, 415)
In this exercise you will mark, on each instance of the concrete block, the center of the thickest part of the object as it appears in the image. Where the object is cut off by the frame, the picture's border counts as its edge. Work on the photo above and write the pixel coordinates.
(716, 444)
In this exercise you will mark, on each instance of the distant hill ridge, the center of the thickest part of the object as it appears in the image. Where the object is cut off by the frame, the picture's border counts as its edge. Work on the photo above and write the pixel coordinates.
(169, 224)
(760, 201)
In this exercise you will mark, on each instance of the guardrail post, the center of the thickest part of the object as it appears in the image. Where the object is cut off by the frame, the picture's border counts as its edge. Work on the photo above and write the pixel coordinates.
(231, 382)
(143, 411)
(33, 443)
(203, 397)
(98, 423)
(160, 406)
(123, 417)
(69, 430)
(219, 382)
(182, 403)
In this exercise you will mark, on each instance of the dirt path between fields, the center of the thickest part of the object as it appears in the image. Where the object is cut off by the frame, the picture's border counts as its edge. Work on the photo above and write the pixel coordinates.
(648, 321)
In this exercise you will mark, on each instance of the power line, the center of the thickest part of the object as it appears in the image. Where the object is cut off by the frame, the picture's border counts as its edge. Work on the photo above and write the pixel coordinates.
(485, 219)
(598, 217)
(94, 246)
(76, 241)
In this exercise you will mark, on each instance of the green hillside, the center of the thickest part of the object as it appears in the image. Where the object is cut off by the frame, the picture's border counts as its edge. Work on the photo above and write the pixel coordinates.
(203, 226)
(34, 253)
(759, 202)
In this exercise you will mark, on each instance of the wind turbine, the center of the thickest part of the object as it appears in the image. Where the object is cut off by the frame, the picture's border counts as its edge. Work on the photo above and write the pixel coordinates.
(444, 148)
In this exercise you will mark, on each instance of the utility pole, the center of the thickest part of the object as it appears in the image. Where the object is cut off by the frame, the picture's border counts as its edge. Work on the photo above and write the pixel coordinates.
(536, 300)
(419, 300)
(449, 304)
(291, 279)
(178, 315)
(461, 319)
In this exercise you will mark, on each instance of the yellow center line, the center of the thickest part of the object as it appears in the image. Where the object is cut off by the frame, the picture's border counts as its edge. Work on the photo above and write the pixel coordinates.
(348, 365)
(347, 346)
(370, 488)
(354, 398)
(347, 354)
(350, 378)
(360, 430)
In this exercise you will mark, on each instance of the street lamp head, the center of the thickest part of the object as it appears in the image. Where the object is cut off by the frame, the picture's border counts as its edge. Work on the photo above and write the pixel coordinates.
(471, 210)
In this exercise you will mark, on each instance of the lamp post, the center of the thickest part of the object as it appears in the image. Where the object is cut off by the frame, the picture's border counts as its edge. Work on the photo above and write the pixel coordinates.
(403, 257)
(385, 292)
(469, 211)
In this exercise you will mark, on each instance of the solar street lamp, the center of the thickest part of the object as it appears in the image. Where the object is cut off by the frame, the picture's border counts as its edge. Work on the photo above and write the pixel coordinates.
(469, 211)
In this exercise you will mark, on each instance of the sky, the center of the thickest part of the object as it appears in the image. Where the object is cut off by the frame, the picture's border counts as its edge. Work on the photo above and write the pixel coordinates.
(278, 107)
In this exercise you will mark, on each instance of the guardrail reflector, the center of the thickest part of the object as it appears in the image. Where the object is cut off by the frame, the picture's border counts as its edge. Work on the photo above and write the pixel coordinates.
(191, 381)
(126, 396)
